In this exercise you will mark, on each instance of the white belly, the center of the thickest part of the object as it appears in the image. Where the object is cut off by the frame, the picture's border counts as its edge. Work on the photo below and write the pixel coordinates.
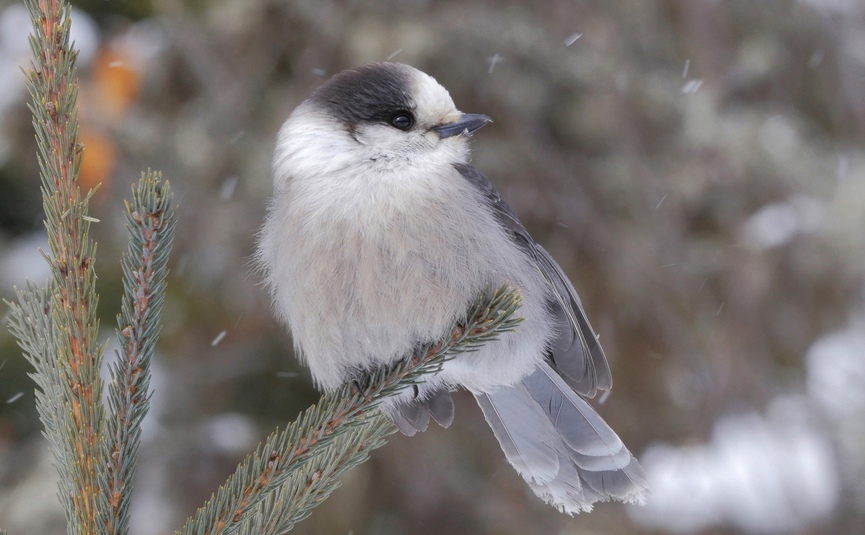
(366, 272)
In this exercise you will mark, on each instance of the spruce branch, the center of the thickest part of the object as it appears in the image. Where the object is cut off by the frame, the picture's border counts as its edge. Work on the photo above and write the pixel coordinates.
(31, 323)
(72, 297)
(297, 469)
(150, 220)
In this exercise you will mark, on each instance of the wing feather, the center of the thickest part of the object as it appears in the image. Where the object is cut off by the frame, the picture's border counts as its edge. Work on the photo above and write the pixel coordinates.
(575, 351)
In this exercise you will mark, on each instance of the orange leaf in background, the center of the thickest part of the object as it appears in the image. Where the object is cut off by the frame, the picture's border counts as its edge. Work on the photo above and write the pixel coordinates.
(98, 159)
(116, 81)
(106, 94)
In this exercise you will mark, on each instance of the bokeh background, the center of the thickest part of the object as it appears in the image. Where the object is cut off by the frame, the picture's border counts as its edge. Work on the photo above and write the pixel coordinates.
(697, 167)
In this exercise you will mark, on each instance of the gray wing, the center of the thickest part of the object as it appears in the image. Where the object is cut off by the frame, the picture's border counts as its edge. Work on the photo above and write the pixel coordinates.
(575, 352)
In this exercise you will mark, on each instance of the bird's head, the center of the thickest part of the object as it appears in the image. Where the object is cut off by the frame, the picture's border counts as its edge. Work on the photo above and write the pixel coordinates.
(382, 115)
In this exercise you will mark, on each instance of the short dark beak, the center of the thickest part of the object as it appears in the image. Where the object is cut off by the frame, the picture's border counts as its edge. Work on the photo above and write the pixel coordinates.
(466, 124)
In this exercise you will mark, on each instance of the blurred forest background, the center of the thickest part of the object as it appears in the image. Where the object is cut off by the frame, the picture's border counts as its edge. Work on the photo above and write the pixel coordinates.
(697, 167)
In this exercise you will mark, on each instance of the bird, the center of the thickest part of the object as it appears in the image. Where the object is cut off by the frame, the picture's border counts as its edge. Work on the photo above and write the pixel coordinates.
(378, 236)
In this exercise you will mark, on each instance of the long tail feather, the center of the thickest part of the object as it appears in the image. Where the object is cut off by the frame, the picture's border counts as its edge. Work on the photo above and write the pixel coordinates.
(533, 455)
(566, 452)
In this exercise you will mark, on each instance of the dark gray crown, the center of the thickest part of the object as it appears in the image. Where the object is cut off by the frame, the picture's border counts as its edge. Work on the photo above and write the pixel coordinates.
(372, 93)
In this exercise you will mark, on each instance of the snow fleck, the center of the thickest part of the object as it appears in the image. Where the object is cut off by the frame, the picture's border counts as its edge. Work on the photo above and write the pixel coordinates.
(494, 60)
(395, 54)
(692, 86)
(571, 39)
(226, 192)
(15, 398)
(604, 395)
(218, 339)
(319, 72)
(685, 70)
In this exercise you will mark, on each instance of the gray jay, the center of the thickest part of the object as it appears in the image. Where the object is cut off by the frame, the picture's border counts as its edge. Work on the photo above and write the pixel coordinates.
(379, 236)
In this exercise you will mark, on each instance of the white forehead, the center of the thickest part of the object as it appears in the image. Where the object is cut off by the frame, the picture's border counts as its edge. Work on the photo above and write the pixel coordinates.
(433, 102)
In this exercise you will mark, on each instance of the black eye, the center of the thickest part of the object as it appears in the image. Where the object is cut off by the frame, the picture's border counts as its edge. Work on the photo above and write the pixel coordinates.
(402, 120)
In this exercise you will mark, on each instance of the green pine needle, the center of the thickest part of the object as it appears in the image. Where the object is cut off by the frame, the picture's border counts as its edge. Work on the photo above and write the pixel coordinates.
(31, 322)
